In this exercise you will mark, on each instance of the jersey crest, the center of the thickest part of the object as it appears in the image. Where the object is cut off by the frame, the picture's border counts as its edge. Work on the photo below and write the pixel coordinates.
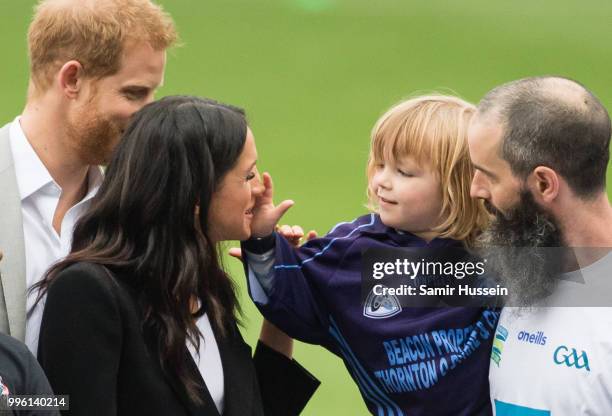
(381, 306)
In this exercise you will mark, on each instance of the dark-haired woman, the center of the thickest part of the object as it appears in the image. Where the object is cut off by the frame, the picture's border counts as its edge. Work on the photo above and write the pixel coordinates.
(140, 317)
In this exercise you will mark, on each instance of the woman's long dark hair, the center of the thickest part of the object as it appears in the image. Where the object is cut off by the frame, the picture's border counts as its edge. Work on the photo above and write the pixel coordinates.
(142, 222)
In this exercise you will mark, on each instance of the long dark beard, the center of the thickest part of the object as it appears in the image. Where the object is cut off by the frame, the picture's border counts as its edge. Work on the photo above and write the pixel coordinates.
(522, 250)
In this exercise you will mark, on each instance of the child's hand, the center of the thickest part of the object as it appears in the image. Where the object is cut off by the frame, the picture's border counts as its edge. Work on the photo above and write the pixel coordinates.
(235, 252)
(294, 234)
(265, 213)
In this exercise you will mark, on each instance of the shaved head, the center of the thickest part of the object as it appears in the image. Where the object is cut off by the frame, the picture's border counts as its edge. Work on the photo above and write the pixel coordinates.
(554, 122)
(554, 90)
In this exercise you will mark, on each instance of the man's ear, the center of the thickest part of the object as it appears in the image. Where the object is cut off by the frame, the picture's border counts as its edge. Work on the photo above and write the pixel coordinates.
(545, 184)
(70, 78)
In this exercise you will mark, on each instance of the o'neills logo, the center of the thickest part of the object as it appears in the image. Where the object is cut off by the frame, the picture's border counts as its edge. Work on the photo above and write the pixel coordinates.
(537, 338)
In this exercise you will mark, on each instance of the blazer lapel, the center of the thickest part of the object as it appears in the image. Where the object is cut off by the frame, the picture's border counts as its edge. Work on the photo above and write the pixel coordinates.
(239, 376)
(207, 408)
(12, 266)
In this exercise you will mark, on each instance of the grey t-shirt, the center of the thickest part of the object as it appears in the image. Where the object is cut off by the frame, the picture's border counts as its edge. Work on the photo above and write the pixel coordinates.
(20, 374)
(590, 286)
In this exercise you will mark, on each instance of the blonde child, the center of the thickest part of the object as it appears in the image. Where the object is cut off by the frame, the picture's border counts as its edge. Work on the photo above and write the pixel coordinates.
(405, 361)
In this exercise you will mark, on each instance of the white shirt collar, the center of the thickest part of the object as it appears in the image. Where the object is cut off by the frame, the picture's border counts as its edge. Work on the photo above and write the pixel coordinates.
(95, 176)
(31, 173)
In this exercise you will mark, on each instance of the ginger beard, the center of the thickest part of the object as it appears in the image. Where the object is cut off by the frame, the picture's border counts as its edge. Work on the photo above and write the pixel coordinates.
(93, 135)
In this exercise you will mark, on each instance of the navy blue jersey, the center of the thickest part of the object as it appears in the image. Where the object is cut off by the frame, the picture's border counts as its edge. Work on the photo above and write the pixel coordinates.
(414, 361)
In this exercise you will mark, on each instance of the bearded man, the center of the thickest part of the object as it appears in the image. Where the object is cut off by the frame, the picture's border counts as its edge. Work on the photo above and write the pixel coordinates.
(540, 147)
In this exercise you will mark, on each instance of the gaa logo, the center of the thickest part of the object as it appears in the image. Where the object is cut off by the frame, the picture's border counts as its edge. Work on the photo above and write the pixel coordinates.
(571, 358)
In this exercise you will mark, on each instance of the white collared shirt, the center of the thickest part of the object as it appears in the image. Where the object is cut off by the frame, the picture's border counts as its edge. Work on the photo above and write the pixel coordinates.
(208, 360)
(40, 195)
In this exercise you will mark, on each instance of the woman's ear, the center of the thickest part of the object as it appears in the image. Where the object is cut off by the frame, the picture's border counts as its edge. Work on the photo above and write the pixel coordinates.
(545, 184)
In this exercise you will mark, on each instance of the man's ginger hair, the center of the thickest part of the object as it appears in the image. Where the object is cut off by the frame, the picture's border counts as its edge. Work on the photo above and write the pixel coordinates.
(94, 33)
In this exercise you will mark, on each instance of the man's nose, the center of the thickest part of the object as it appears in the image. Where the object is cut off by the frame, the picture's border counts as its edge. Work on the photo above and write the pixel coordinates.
(478, 189)
(150, 98)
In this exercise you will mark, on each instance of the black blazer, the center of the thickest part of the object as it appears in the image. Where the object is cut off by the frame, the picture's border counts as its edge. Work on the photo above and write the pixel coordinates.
(92, 347)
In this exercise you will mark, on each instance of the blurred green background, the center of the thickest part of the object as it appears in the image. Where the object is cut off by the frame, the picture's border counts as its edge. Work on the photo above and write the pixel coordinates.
(314, 75)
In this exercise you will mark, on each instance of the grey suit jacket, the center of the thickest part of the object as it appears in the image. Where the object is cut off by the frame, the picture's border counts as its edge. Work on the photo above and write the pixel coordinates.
(13, 265)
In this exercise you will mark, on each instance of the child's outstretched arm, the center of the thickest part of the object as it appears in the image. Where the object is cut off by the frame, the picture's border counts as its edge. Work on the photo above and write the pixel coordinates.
(291, 286)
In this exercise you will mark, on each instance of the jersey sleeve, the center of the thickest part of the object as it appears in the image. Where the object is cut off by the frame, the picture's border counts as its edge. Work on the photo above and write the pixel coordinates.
(290, 285)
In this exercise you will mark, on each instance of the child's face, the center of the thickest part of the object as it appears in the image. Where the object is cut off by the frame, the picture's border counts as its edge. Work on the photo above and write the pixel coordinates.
(408, 195)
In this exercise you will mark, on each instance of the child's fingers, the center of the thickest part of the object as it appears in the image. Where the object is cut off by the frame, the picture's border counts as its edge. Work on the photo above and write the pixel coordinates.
(297, 231)
(285, 231)
(288, 231)
(281, 208)
(268, 185)
(293, 234)
(311, 234)
(236, 252)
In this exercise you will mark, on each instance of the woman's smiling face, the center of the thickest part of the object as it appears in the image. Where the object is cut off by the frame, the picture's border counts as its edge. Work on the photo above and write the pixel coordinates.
(231, 205)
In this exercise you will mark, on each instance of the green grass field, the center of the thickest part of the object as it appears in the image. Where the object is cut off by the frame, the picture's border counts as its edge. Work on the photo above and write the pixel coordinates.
(314, 75)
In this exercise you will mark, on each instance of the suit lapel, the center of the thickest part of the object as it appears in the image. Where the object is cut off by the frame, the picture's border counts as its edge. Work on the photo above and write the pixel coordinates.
(12, 267)
(239, 375)
(207, 408)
